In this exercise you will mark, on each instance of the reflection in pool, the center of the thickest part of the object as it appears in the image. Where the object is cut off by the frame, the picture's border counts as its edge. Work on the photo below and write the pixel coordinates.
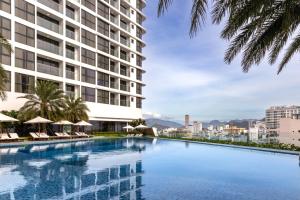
(138, 169)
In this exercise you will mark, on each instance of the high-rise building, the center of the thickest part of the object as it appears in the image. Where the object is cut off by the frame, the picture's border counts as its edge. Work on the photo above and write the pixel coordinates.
(90, 48)
(186, 121)
(275, 113)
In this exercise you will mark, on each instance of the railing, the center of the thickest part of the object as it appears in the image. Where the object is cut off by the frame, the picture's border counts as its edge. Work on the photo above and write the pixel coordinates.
(125, 11)
(124, 72)
(48, 47)
(70, 75)
(125, 57)
(70, 14)
(114, 101)
(70, 54)
(70, 93)
(114, 69)
(114, 52)
(47, 69)
(124, 26)
(47, 24)
(114, 3)
(70, 34)
(124, 103)
(124, 41)
(125, 88)
(113, 20)
(114, 85)
(51, 4)
(113, 36)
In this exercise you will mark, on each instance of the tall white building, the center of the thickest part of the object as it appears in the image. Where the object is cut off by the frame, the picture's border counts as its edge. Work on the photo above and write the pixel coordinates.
(275, 113)
(89, 48)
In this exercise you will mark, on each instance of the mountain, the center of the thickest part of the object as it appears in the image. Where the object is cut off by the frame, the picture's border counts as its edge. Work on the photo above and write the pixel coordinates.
(160, 124)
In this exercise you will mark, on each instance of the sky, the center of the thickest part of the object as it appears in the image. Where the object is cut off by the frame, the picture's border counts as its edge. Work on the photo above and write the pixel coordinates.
(189, 76)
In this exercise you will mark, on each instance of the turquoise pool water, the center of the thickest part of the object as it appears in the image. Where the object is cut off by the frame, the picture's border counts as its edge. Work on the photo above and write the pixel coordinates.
(146, 169)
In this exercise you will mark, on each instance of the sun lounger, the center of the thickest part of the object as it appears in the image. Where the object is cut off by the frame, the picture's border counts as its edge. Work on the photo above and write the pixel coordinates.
(5, 138)
(15, 136)
(61, 135)
(39, 136)
(43, 135)
(84, 134)
(66, 135)
(81, 134)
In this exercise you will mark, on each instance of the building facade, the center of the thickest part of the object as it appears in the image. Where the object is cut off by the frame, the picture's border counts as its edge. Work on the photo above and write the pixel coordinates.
(257, 131)
(289, 131)
(186, 121)
(91, 49)
(275, 113)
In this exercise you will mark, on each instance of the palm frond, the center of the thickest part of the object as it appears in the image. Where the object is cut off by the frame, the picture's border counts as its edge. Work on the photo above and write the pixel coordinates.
(198, 16)
(163, 6)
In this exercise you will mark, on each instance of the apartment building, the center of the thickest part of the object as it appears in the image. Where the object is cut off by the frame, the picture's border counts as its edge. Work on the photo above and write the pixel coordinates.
(90, 48)
(275, 113)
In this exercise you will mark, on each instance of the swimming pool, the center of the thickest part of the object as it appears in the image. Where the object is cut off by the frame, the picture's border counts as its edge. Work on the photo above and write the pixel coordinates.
(147, 169)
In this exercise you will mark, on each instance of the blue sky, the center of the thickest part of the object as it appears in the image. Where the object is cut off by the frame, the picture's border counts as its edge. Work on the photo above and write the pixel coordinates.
(188, 76)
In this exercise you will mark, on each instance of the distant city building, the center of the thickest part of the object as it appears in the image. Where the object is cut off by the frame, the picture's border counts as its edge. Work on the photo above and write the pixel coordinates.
(186, 121)
(197, 127)
(275, 113)
(210, 128)
(233, 130)
(289, 130)
(257, 131)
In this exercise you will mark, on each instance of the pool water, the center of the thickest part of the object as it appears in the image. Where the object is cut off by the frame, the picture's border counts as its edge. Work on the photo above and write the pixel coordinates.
(146, 169)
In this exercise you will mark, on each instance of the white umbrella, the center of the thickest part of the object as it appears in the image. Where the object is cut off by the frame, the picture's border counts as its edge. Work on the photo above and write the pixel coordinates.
(5, 118)
(83, 123)
(38, 120)
(63, 122)
(128, 127)
(141, 126)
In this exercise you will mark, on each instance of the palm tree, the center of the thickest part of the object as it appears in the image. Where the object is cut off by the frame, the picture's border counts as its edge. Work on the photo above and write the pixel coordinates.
(253, 27)
(76, 110)
(3, 77)
(47, 101)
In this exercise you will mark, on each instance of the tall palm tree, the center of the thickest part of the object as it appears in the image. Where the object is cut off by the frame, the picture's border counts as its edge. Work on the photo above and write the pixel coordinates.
(47, 101)
(76, 110)
(253, 27)
(6, 45)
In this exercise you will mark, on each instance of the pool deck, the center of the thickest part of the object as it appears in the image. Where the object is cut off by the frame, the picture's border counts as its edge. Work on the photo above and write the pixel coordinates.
(239, 147)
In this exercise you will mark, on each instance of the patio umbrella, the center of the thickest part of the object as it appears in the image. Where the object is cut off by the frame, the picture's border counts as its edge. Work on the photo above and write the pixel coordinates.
(83, 123)
(5, 118)
(63, 122)
(38, 120)
(141, 126)
(128, 127)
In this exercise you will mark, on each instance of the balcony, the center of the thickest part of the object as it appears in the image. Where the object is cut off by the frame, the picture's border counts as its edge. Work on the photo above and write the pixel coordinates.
(114, 19)
(47, 46)
(124, 41)
(125, 88)
(70, 54)
(125, 103)
(125, 57)
(70, 75)
(114, 85)
(51, 4)
(114, 3)
(114, 36)
(70, 93)
(114, 52)
(114, 101)
(70, 32)
(47, 69)
(125, 11)
(48, 23)
(124, 26)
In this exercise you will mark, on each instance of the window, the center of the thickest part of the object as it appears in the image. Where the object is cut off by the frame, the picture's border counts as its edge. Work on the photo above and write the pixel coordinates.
(90, 4)
(103, 62)
(124, 70)
(88, 38)
(124, 86)
(103, 79)
(70, 90)
(103, 27)
(103, 96)
(70, 72)
(123, 55)
(47, 66)
(88, 75)
(70, 32)
(48, 22)
(88, 94)
(48, 44)
(124, 101)
(139, 32)
(103, 10)
(5, 5)
(5, 27)
(139, 61)
(138, 88)
(139, 46)
(88, 19)
(5, 56)
(70, 12)
(139, 74)
(138, 102)
(103, 44)
(24, 83)
(24, 34)
(88, 57)
(70, 52)
(7, 81)
(24, 59)
(114, 99)
(25, 10)
(139, 19)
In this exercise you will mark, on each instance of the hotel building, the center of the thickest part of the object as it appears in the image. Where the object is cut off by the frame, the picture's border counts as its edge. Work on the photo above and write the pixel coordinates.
(275, 113)
(90, 48)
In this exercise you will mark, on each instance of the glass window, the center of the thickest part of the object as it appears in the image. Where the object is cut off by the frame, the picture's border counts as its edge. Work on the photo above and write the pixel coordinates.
(7, 81)
(24, 83)
(103, 10)
(24, 59)
(70, 52)
(70, 12)
(48, 44)
(103, 79)
(88, 75)
(88, 57)
(70, 32)
(70, 72)
(103, 96)
(47, 66)
(70, 90)
(138, 102)
(24, 34)
(5, 5)
(5, 56)
(91, 4)
(88, 19)
(88, 38)
(88, 94)
(138, 88)
(25, 10)
(139, 74)
(48, 22)
(103, 27)
(103, 44)
(124, 70)
(124, 101)
(139, 32)
(5, 27)
(139, 61)
(139, 46)
(103, 62)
